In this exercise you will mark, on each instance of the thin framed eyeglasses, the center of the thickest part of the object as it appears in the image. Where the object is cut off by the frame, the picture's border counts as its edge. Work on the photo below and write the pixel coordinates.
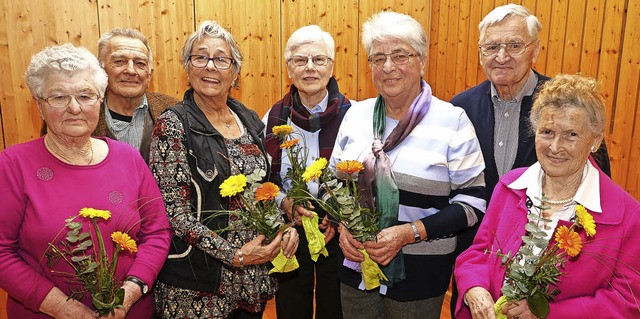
(512, 48)
(220, 62)
(397, 57)
(317, 60)
(62, 100)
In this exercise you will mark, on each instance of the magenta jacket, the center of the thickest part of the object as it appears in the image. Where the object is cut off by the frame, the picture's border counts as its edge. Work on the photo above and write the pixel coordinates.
(603, 281)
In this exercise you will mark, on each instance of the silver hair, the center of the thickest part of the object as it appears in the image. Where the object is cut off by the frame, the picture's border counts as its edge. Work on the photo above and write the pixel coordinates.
(65, 59)
(502, 12)
(103, 43)
(389, 24)
(212, 29)
(307, 35)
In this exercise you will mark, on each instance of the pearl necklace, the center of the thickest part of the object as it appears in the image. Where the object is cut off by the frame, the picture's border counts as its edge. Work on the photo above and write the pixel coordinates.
(57, 152)
(558, 202)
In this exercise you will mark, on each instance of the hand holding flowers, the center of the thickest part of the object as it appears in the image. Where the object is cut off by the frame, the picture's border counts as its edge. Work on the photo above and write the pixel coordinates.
(534, 271)
(299, 198)
(258, 211)
(94, 272)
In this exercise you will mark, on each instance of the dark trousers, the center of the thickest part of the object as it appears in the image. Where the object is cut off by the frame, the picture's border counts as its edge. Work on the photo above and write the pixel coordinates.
(294, 299)
(243, 314)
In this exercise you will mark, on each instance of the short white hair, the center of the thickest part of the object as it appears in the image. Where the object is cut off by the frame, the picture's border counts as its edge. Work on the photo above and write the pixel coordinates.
(389, 24)
(65, 59)
(502, 12)
(307, 35)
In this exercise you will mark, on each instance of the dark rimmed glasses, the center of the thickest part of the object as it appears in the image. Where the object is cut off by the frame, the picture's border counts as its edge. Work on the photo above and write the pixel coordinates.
(220, 62)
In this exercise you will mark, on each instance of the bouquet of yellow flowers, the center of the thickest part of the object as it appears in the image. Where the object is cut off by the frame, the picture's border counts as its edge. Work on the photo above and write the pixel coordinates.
(259, 210)
(94, 271)
(299, 175)
(534, 271)
(340, 201)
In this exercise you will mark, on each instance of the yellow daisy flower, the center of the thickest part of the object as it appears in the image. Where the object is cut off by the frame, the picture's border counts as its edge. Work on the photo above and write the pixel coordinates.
(124, 241)
(314, 170)
(349, 166)
(289, 144)
(585, 220)
(93, 213)
(233, 185)
(282, 130)
(267, 192)
(569, 241)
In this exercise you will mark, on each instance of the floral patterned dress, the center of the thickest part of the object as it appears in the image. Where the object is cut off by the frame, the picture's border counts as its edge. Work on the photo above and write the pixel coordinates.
(240, 288)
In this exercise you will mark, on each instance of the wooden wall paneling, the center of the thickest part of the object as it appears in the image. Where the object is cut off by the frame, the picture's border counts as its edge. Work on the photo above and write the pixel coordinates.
(419, 10)
(608, 74)
(29, 30)
(255, 26)
(340, 19)
(627, 114)
(573, 41)
(440, 85)
(451, 58)
(166, 25)
(463, 52)
(556, 45)
(434, 42)
(543, 12)
(592, 37)
(473, 57)
(6, 78)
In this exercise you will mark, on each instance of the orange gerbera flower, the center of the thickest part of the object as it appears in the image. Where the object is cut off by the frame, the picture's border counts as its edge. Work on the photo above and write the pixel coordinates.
(349, 166)
(289, 144)
(569, 241)
(124, 241)
(267, 192)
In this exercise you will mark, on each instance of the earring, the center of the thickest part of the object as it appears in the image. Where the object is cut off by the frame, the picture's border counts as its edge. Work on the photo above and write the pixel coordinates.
(593, 149)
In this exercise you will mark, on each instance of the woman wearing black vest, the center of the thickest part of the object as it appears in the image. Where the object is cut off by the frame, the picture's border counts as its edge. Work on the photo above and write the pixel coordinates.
(196, 145)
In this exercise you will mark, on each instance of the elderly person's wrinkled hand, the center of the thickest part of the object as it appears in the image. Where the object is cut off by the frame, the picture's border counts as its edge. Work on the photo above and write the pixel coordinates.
(350, 245)
(294, 212)
(58, 305)
(132, 293)
(255, 253)
(388, 244)
(518, 310)
(327, 228)
(290, 240)
(480, 303)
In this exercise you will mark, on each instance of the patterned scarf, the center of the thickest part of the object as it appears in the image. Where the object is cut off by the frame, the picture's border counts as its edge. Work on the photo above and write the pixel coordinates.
(291, 107)
(377, 182)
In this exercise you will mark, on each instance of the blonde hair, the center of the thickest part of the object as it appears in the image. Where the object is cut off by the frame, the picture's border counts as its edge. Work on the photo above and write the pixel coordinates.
(566, 91)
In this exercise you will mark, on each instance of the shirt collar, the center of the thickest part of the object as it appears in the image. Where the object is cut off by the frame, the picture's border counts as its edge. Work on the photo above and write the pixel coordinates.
(587, 195)
(527, 89)
(320, 107)
(143, 103)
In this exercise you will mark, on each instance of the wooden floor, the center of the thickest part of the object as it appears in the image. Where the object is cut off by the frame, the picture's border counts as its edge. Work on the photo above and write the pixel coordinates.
(270, 312)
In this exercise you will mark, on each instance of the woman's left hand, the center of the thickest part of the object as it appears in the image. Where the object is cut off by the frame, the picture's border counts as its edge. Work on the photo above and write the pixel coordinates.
(290, 240)
(518, 310)
(390, 241)
(327, 228)
(131, 294)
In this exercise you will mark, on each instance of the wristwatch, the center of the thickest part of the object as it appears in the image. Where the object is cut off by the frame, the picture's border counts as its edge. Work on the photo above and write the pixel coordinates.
(143, 287)
(416, 234)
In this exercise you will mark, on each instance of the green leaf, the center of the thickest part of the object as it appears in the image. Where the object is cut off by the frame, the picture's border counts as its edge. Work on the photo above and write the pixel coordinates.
(538, 304)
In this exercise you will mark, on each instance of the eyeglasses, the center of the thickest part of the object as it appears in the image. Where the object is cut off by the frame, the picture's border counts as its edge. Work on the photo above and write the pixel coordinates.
(220, 62)
(62, 100)
(512, 48)
(317, 60)
(397, 57)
